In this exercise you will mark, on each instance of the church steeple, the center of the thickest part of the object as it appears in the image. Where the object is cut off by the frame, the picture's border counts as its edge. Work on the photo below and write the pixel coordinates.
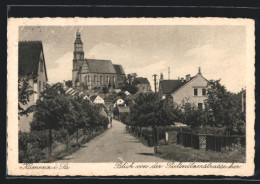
(78, 45)
(78, 52)
(78, 57)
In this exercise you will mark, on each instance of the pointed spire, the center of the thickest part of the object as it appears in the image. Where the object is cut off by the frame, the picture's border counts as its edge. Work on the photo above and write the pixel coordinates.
(199, 71)
(78, 38)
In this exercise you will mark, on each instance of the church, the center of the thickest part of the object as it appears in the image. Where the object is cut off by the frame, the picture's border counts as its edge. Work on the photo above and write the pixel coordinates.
(94, 73)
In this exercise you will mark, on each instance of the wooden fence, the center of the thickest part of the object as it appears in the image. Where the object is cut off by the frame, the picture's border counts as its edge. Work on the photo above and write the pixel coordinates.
(188, 140)
(210, 142)
(218, 142)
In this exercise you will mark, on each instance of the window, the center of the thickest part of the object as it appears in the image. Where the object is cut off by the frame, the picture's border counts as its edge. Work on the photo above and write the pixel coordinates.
(41, 66)
(40, 86)
(101, 80)
(88, 78)
(200, 106)
(195, 92)
(187, 106)
(203, 92)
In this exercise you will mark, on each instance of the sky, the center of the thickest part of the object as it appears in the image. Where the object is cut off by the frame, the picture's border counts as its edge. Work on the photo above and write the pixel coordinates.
(219, 50)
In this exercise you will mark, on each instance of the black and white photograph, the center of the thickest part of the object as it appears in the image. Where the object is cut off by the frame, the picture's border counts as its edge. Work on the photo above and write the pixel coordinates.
(130, 98)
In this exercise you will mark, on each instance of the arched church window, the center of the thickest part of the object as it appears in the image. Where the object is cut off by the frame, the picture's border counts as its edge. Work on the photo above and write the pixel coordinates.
(94, 78)
(85, 80)
(107, 79)
(88, 78)
(101, 79)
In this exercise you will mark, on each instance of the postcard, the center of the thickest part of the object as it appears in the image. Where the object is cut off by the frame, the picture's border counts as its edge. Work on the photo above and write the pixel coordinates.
(130, 96)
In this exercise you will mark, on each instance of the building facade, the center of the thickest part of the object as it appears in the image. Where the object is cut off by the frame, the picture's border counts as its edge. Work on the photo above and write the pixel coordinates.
(188, 91)
(142, 84)
(31, 65)
(94, 73)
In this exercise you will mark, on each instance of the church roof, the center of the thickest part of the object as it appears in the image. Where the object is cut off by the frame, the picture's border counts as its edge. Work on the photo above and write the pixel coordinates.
(29, 56)
(170, 86)
(119, 69)
(100, 66)
(141, 80)
(84, 68)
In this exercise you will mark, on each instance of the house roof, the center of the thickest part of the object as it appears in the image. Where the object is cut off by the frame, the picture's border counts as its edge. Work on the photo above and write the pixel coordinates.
(29, 56)
(110, 98)
(86, 97)
(119, 69)
(123, 109)
(100, 66)
(170, 86)
(93, 97)
(136, 95)
(115, 100)
(141, 80)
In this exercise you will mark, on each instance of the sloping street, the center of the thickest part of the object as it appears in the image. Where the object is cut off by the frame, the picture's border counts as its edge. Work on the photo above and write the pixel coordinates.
(114, 145)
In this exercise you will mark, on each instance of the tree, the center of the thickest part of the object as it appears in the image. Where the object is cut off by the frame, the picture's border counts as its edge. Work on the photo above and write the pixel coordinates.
(68, 83)
(222, 108)
(148, 112)
(130, 84)
(105, 90)
(51, 110)
(121, 95)
(193, 116)
(24, 93)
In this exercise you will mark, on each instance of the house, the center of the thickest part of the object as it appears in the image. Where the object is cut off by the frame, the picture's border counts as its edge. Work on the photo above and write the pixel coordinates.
(127, 93)
(94, 73)
(133, 97)
(96, 99)
(86, 98)
(31, 65)
(108, 101)
(142, 84)
(117, 102)
(122, 112)
(188, 91)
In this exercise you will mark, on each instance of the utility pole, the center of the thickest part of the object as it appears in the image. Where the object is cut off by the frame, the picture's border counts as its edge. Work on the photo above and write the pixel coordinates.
(169, 72)
(243, 100)
(155, 83)
(155, 131)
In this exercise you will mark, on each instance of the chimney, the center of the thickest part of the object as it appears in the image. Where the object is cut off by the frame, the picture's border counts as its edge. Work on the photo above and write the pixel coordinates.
(182, 79)
(161, 77)
(187, 77)
(199, 72)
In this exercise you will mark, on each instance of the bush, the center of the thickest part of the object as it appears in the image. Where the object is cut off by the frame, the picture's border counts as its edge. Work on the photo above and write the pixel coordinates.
(31, 145)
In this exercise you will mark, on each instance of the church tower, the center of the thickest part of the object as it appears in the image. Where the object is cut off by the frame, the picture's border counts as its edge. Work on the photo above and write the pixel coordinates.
(78, 58)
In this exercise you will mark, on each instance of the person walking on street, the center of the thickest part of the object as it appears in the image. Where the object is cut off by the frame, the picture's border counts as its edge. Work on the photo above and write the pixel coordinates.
(111, 121)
